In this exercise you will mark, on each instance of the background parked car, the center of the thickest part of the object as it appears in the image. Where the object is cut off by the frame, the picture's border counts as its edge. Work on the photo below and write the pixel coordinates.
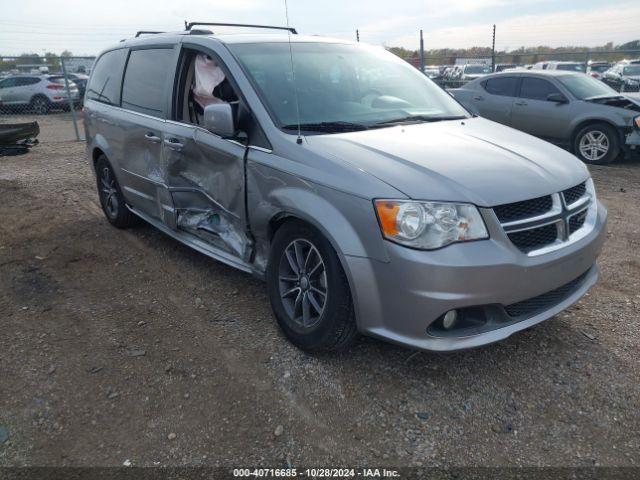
(570, 109)
(431, 71)
(624, 76)
(596, 69)
(80, 79)
(38, 93)
(567, 66)
(540, 66)
(501, 67)
(471, 71)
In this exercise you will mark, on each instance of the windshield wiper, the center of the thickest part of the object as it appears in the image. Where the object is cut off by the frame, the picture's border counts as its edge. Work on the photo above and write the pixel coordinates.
(419, 119)
(328, 127)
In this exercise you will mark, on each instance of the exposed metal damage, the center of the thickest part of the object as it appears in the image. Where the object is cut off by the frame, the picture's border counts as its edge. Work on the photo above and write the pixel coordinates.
(212, 227)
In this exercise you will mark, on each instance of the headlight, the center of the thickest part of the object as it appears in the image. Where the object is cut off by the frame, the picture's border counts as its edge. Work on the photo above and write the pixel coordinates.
(429, 225)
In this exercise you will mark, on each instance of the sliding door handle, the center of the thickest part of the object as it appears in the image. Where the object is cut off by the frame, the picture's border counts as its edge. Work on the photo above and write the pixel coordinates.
(152, 137)
(173, 144)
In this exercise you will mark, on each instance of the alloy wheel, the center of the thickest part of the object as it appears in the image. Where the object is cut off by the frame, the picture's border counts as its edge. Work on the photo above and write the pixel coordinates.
(108, 192)
(303, 283)
(594, 145)
(40, 106)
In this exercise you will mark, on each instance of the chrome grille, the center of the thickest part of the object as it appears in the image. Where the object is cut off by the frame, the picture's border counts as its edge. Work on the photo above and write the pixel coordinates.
(534, 238)
(573, 194)
(543, 224)
(577, 221)
(519, 210)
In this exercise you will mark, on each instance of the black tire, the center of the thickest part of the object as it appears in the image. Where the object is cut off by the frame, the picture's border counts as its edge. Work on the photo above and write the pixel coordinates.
(334, 329)
(596, 156)
(40, 105)
(111, 198)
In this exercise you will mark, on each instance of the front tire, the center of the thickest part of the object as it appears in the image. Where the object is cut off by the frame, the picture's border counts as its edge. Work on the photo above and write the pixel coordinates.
(597, 144)
(308, 290)
(111, 198)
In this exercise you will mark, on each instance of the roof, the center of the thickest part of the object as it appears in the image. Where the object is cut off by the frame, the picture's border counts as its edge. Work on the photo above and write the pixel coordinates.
(228, 38)
(541, 73)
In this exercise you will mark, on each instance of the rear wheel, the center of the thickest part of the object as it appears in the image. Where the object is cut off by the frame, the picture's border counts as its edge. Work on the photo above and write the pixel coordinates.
(597, 144)
(111, 198)
(308, 290)
(40, 105)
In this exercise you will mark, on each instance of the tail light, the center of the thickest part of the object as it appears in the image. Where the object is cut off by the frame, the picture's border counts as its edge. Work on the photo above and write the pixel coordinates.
(55, 86)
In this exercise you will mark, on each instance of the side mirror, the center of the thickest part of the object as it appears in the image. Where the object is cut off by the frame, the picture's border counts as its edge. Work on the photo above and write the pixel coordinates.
(557, 98)
(218, 119)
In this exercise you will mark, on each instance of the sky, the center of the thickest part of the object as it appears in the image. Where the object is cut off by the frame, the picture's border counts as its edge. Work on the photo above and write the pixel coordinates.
(87, 27)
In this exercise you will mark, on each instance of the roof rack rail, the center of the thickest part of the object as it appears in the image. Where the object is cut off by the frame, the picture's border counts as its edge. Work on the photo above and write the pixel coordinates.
(189, 25)
(147, 32)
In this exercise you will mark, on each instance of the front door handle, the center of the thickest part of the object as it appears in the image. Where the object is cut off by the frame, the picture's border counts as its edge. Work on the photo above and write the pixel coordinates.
(173, 144)
(522, 104)
(478, 97)
(152, 137)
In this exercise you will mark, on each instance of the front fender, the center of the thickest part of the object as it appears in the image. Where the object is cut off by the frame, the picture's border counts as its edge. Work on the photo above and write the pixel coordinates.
(346, 220)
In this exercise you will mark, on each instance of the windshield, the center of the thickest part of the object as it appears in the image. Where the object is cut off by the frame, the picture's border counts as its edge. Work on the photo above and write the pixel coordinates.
(477, 69)
(632, 70)
(341, 83)
(572, 67)
(582, 86)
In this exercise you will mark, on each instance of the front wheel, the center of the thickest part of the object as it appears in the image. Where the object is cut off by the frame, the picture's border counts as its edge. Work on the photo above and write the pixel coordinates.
(308, 290)
(597, 144)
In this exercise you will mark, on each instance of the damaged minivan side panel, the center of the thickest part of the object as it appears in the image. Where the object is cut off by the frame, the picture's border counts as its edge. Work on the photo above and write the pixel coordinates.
(205, 176)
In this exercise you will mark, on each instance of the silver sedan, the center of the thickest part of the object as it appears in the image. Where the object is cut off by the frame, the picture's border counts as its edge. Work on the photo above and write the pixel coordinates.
(569, 109)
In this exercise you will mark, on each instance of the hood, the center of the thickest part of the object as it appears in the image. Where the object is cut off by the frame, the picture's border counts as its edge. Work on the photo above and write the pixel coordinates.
(474, 160)
(626, 102)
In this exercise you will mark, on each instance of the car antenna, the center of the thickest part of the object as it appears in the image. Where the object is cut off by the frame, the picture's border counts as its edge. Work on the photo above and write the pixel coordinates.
(293, 74)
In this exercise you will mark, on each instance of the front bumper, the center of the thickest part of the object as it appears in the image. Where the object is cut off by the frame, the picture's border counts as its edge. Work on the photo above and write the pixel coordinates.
(399, 300)
(632, 140)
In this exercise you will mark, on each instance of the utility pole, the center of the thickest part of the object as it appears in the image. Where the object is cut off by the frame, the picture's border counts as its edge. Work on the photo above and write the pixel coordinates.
(421, 52)
(358, 35)
(493, 50)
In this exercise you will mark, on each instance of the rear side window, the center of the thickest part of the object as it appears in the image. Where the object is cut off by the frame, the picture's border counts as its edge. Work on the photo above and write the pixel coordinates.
(59, 80)
(536, 88)
(30, 81)
(145, 79)
(104, 85)
(504, 86)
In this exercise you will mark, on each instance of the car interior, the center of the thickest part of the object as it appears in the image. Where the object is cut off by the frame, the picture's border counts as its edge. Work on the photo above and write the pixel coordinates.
(192, 110)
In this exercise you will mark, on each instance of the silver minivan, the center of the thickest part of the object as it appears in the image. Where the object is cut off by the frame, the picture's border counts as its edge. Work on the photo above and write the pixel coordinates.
(368, 198)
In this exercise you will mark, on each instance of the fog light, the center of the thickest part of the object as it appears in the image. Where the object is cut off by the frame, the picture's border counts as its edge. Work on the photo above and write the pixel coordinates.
(449, 319)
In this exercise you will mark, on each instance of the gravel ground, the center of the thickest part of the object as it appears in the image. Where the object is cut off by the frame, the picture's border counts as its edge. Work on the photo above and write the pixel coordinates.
(125, 345)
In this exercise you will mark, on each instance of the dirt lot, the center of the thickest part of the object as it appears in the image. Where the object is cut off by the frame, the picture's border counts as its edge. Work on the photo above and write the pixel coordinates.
(125, 345)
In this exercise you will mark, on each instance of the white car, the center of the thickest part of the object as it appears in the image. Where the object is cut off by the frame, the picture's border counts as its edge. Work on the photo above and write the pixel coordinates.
(37, 93)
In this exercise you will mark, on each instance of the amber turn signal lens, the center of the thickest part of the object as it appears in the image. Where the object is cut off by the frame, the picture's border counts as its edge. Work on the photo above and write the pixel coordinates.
(388, 214)
(636, 122)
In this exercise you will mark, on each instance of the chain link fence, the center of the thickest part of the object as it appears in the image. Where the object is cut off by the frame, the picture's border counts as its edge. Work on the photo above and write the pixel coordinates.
(452, 71)
(47, 90)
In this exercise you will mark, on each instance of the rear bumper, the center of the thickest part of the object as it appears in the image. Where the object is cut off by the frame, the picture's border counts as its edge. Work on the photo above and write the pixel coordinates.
(402, 299)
